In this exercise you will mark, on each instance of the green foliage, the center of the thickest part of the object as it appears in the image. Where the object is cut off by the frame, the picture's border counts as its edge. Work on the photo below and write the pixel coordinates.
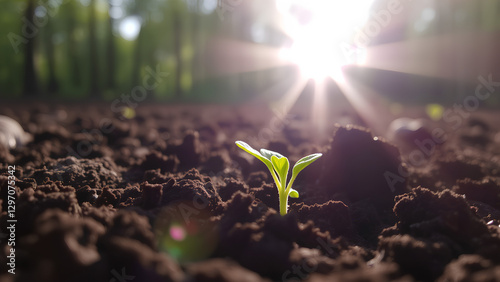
(279, 165)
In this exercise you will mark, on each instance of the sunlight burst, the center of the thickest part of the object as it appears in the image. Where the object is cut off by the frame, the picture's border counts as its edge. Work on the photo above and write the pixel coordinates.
(320, 31)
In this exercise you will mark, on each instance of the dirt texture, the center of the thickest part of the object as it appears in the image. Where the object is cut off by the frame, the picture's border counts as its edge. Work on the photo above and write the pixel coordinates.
(168, 196)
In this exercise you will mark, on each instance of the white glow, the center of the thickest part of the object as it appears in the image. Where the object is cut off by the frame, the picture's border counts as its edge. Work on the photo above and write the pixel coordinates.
(425, 19)
(428, 14)
(115, 2)
(209, 6)
(116, 12)
(130, 27)
(321, 31)
(40, 11)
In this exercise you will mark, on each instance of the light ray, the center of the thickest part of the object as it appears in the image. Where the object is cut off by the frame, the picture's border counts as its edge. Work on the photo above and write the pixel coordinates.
(319, 107)
(450, 56)
(367, 104)
(283, 106)
(228, 56)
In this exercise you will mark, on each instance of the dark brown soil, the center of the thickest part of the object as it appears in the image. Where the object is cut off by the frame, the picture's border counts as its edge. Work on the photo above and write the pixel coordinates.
(167, 196)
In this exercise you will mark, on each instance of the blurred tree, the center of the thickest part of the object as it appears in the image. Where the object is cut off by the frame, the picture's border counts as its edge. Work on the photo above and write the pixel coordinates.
(93, 53)
(70, 19)
(48, 32)
(197, 42)
(137, 58)
(177, 40)
(110, 52)
(137, 10)
(30, 84)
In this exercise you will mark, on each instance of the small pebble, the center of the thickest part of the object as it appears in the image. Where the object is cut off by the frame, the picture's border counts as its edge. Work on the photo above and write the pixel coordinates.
(12, 134)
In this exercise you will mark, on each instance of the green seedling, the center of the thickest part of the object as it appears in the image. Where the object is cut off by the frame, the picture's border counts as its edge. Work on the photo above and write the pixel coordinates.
(278, 165)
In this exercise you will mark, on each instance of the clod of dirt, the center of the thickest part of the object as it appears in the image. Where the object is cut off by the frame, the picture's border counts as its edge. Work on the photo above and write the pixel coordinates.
(479, 123)
(189, 152)
(311, 260)
(258, 238)
(486, 191)
(256, 179)
(264, 250)
(87, 194)
(131, 225)
(422, 212)
(230, 187)
(193, 188)
(54, 134)
(360, 166)
(476, 137)
(268, 194)
(31, 203)
(5, 156)
(424, 259)
(215, 163)
(153, 160)
(406, 133)
(379, 272)
(449, 171)
(74, 239)
(436, 228)
(470, 268)
(138, 262)
(243, 208)
(96, 173)
(151, 195)
(477, 133)
(332, 216)
(222, 270)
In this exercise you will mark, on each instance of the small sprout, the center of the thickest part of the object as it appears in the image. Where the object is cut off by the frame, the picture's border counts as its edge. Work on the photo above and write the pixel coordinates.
(279, 165)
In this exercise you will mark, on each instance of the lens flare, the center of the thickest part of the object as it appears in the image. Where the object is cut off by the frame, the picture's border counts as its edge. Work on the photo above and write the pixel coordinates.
(177, 232)
(186, 232)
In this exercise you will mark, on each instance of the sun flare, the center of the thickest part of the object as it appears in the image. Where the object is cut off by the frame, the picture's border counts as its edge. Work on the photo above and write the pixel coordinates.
(321, 32)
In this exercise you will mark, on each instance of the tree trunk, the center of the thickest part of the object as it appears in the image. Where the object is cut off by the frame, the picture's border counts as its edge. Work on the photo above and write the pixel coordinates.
(93, 59)
(197, 65)
(53, 85)
(177, 25)
(110, 55)
(30, 87)
(75, 73)
(136, 65)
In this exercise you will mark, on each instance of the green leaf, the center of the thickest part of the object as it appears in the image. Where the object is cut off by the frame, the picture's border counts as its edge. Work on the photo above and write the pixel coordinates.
(304, 162)
(247, 148)
(268, 154)
(294, 193)
(281, 165)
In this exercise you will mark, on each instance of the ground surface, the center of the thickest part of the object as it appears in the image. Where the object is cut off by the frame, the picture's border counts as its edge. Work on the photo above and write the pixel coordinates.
(167, 196)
